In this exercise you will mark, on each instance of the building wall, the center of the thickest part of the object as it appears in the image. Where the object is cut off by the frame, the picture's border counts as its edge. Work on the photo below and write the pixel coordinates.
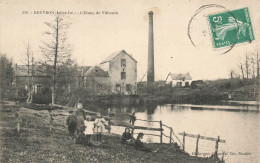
(21, 82)
(174, 82)
(98, 85)
(119, 86)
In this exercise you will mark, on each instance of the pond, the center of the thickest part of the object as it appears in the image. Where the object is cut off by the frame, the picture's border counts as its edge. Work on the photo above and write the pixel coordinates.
(240, 129)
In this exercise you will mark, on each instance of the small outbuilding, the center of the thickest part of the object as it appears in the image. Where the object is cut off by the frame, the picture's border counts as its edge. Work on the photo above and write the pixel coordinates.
(179, 80)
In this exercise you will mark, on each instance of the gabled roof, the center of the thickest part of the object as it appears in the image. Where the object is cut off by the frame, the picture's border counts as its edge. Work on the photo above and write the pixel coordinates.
(180, 76)
(96, 71)
(84, 68)
(113, 55)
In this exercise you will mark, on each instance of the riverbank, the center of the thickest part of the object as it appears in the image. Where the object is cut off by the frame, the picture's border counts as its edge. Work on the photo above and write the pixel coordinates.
(37, 143)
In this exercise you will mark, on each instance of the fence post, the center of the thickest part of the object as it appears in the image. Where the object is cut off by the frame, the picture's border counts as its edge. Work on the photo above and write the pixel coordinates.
(197, 146)
(216, 147)
(183, 143)
(170, 135)
(109, 122)
(109, 126)
(18, 120)
(161, 132)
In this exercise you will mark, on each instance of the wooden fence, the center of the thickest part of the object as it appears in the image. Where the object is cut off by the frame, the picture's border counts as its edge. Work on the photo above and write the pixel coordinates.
(217, 140)
(160, 129)
(133, 119)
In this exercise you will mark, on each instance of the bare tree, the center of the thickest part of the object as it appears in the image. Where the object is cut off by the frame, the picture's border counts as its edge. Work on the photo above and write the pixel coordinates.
(247, 66)
(242, 71)
(55, 49)
(257, 74)
(257, 65)
(252, 60)
(30, 65)
(232, 73)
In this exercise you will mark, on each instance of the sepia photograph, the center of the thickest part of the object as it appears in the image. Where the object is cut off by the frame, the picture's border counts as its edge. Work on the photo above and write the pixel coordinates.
(153, 81)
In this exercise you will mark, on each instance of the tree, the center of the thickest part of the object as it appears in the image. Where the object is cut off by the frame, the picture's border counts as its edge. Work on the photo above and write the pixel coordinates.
(30, 72)
(242, 71)
(257, 65)
(55, 49)
(7, 74)
(257, 74)
(247, 66)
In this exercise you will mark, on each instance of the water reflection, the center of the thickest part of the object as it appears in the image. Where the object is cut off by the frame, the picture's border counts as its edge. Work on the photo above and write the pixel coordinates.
(241, 129)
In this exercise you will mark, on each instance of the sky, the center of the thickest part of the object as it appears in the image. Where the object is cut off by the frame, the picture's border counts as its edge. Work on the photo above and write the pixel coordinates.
(94, 37)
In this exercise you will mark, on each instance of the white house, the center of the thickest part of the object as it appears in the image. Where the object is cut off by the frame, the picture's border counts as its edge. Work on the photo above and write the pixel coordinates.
(122, 70)
(179, 80)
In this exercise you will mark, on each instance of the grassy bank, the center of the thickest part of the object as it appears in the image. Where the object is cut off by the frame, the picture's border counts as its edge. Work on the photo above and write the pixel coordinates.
(36, 143)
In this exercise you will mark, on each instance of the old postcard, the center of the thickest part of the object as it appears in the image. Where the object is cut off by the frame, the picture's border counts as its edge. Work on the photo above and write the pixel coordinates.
(130, 81)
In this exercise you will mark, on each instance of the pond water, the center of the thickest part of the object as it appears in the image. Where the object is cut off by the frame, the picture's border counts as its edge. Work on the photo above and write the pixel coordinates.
(241, 130)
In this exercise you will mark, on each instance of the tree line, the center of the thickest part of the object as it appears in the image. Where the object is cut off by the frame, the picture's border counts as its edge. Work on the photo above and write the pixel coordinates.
(55, 61)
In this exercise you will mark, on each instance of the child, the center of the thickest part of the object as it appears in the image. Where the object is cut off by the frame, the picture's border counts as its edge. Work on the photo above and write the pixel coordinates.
(99, 126)
(89, 128)
(139, 145)
(126, 137)
(72, 125)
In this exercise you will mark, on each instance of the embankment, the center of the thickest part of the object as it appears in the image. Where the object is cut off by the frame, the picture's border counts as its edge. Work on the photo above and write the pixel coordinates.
(36, 143)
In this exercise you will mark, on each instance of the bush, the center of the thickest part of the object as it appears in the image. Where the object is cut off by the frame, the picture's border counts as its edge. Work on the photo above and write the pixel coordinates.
(43, 97)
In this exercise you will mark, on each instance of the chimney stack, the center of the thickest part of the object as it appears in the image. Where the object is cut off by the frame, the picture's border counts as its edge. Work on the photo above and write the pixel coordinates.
(150, 71)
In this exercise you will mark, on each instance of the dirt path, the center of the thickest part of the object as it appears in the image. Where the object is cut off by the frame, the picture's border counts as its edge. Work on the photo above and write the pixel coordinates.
(36, 143)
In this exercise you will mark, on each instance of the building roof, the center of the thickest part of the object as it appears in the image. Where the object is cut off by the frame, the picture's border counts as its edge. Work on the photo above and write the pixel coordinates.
(180, 76)
(84, 68)
(22, 70)
(113, 55)
(96, 71)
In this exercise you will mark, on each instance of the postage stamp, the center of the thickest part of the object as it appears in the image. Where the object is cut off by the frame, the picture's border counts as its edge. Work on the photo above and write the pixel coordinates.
(231, 27)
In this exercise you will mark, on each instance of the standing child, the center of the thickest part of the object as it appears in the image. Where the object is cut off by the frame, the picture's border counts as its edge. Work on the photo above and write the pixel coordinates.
(89, 129)
(99, 126)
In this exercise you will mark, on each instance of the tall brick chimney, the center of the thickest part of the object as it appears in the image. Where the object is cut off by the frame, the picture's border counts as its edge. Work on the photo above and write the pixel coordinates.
(150, 71)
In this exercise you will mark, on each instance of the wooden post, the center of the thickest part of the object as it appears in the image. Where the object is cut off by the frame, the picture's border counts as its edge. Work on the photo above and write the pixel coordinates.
(197, 146)
(161, 132)
(170, 135)
(183, 143)
(109, 124)
(18, 120)
(50, 120)
(216, 147)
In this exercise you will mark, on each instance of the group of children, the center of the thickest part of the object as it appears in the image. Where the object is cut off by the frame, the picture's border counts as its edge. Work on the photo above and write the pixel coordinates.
(85, 128)
(127, 138)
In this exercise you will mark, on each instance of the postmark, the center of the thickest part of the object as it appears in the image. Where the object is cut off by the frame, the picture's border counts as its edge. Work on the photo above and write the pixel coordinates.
(231, 27)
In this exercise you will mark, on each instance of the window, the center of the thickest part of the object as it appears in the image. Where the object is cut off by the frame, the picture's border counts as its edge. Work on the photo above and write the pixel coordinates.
(118, 88)
(128, 87)
(123, 62)
(123, 75)
(178, 84)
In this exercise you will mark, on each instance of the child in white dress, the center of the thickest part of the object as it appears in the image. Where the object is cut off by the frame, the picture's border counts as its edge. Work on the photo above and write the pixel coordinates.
(89, 128)
(99, 126)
